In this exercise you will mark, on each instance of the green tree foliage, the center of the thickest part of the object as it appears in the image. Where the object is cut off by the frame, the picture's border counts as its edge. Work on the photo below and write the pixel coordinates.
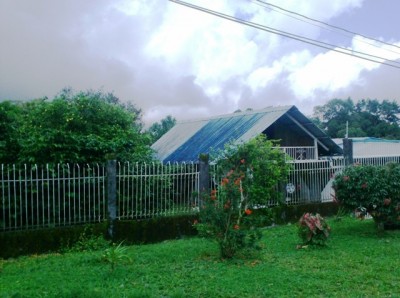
(10, 115)
(77, 127)
(366, 118)
(157, 130)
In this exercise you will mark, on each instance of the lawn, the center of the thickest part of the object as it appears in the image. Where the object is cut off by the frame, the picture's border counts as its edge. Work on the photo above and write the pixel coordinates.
(357, 262)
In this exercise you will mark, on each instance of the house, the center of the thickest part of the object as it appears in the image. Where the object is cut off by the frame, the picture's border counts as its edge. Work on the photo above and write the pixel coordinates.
(299, 137)
(373, 147)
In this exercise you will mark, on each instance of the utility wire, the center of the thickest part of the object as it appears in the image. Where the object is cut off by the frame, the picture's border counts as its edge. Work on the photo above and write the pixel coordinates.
(325, 25)
(290, 35)
(327, 28)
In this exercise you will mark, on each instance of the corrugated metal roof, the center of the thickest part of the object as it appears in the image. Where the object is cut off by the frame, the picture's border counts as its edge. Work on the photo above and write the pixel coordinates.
(176, 136)
(187, 140)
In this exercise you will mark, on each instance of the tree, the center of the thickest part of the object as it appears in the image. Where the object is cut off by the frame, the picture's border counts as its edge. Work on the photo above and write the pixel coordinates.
(157, 130)
(80, 127)
(250, 173)
(10, 115)
(366, 118)
(334, 115)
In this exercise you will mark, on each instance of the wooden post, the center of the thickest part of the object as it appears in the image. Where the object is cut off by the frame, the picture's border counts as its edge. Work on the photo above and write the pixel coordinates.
(111, 196)
(348, 151)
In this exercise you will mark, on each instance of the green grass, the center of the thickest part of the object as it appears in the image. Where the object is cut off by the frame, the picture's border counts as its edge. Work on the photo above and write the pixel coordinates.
(356, 263)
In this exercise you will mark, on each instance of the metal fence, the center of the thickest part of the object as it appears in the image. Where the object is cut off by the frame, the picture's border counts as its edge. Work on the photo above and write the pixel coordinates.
(300, 153)
(61, 195)
(51, 195)
(149, 190)
(377, 160)
(311, 181)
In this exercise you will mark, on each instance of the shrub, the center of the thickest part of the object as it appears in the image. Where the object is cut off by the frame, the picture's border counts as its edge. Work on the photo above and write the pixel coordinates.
(88, 241)
(372, 189)
(250, 173)
(313, 229)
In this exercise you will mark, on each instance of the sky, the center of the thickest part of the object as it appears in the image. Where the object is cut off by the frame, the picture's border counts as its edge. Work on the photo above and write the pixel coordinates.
(169, 59)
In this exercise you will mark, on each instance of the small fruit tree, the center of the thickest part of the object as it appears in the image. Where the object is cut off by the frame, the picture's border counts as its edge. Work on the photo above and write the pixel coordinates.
(250, 174)
(375, 189)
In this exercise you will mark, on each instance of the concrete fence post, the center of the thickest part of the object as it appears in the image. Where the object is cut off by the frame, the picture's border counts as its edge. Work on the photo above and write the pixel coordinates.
(348, 151)
(204, 176)
(111, 196)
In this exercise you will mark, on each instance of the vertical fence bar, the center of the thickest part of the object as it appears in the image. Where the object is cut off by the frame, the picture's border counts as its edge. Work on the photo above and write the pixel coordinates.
(120, 201)
(3, 199)
(9, 197)
(84, 182)
(79, 193)
(21, 202)
(27, 205)
(15, 198)
(156, 193)
(64, 199)
(122, 189)
(174, 167)
(128, 194)
(47, 190)
(59, 192)
(69, 193)
(88, 195)
(41, 195)
(189, 187)
(53, 182)
(163, 193)
(96, 191)
(145, 177)
(35, 168)
(111, 195)
(104, 193)
(137, 190)
(149, 185)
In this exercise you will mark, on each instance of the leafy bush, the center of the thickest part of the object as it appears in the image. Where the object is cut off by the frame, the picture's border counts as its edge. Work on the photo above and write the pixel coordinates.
(88, 241)
(313, 229)
(250, 173)
(372, 189)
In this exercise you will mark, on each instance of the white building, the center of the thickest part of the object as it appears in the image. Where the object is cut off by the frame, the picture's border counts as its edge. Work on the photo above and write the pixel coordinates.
(373, 147)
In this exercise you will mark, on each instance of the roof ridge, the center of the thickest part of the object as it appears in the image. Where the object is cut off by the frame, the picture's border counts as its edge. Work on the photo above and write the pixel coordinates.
(241, 113)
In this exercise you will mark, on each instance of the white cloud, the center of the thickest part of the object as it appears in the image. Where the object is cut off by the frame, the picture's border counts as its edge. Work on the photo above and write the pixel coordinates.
(265, 75)
(331, 71)
(327, 72)
(133, 8)
(215, 50)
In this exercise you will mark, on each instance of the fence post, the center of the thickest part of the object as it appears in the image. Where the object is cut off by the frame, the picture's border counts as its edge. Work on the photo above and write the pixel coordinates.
(111, 196)
(348, 151)
(204, 176)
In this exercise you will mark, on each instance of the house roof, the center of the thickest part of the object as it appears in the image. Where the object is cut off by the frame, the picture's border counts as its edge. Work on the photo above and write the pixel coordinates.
(373, 147)
(188, 139)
